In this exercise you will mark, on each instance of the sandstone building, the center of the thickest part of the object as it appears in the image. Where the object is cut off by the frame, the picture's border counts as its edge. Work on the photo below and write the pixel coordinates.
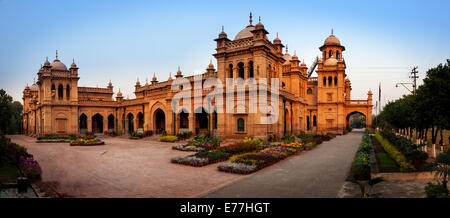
(55, 104)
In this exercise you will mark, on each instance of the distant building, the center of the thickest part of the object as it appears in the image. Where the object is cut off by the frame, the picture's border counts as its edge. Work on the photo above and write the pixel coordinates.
(55, 104)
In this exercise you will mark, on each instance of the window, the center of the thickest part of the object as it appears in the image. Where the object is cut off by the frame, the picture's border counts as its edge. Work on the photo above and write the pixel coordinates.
(307, 122)
(335, 81)
(314, 120)
(337, 55)
(309, 91)
(53, 91)
(330, 53)
(240, 125)
(324, 81)
(251, 69)
(67, 91)
(230, 71)
(60, 91)
(283, 84)
(330, 80)
(241, 70)
(330, 96)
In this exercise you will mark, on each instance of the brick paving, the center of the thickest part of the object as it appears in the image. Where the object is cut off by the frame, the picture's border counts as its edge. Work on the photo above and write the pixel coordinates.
(123, 168)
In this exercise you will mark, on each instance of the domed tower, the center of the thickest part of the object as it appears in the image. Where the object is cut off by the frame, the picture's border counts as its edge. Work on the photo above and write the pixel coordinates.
(331, 86)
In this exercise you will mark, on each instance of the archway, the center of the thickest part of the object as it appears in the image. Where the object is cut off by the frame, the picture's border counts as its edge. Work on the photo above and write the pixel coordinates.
(356, 119)
(97, 123)
(184, 120)
(110, 123)
(160, 121)
(140, 120)
(201, 120)
(83, 123)
(130, 118)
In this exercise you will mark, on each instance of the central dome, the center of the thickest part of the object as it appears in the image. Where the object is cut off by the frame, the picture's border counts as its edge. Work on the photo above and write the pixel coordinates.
(245, 33)
(332, 40)
(58, 65)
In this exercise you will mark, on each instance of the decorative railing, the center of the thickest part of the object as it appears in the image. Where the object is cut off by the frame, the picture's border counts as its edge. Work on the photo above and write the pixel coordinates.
(356, 102)
(93, 89)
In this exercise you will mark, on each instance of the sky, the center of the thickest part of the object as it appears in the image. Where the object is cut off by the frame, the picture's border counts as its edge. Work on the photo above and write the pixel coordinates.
(122, 41)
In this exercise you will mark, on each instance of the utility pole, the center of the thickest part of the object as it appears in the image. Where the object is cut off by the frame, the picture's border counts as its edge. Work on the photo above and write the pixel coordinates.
(414, 72)
(414, 77)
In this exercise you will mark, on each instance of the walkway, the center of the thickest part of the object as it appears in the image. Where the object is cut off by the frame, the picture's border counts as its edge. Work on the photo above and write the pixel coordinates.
(320, 172)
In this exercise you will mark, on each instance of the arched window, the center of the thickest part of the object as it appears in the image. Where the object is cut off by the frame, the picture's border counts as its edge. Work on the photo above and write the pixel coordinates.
(324, 54)
(240, 125)
(330, 80)
(241, 70)
(330, 53)
(283, 84)
(307, 122)
(67, 91)
(314, 120)
(309, 91)
(335, 81)
(251, 69)
(60, 91)
(230, 71)
(337, 55)
(324, 81)
(53, 91)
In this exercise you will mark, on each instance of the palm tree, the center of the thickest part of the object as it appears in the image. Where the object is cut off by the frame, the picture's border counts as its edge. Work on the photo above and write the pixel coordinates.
(442, 167)
(365, 190)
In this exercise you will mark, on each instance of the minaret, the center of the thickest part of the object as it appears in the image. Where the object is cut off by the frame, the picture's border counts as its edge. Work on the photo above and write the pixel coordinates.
(178, 73)
(154, 80)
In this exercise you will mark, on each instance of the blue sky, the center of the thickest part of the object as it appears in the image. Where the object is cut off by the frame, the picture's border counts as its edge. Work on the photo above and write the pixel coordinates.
(126, 40)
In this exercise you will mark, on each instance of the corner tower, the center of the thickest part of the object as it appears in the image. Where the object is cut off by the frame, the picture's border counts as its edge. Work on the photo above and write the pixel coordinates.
(331, 86)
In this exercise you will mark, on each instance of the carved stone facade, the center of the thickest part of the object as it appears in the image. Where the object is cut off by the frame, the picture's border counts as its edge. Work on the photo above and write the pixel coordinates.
(56, 105)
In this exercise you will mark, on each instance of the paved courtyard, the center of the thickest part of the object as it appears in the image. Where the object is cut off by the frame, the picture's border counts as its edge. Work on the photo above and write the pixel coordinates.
(123, 168)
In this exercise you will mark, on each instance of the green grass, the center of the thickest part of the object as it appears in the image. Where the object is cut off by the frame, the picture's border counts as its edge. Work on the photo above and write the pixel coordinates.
(8, 174)
(386, 161)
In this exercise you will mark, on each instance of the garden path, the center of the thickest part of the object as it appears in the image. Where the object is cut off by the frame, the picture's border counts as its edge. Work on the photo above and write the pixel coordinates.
(318, 173)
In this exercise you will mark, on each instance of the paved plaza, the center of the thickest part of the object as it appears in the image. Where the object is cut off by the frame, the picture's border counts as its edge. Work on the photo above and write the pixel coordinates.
(142, 168)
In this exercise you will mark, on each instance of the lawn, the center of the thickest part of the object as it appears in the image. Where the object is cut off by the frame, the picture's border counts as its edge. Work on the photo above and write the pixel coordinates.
(8, 174)
(385, 161)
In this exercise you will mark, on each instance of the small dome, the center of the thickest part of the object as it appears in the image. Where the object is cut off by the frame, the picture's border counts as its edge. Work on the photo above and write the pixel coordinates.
(34, 87)
(332, 40)
(288, 58)
(331, 62)
(119, 94)
(58, 65)
(46, 63)
(245, 33)
(73, 65)
(210, 65)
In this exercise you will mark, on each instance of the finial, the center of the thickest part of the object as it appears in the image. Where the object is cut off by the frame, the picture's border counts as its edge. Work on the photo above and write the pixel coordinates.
(286, 48)
(210, 61)
(222, 28)
(73, 60)
(295, 52)
(56, 54)
(331, 31)
(250, 18)
(277, 34)
(137, 79)
(46, 58)
(170, 74)
(260, 19)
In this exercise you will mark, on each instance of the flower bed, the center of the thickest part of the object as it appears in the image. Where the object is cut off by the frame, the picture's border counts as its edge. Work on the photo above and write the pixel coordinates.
(87, 142)
(200, 142)
(253, 161)
(201, 158)
(30, 168)
(169, 138)
(55, 138)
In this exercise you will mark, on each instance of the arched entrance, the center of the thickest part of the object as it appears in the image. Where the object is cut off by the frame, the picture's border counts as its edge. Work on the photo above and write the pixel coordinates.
(160, 121)
(130, 118)
(201, 121)
(184, 120)
(356, 119)
(83, 124)
(140, 120)
(97, 123)
(110, 123)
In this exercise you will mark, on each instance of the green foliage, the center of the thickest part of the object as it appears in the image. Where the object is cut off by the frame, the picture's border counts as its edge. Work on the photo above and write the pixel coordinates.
(442, 167)
(239, 148)
(436, 191)
(212, 154)
(10, 153)
(366, 186)
(288, 139)
(385, 161)
(135, 135)
(11, 114)
(253, 141)
(405, 164)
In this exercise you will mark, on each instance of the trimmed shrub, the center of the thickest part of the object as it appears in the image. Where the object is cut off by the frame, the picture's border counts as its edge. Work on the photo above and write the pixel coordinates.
(402, 161)
(436, 191)
(169, 138)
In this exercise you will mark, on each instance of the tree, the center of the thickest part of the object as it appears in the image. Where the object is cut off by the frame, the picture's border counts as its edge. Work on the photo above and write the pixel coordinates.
(5, 111)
